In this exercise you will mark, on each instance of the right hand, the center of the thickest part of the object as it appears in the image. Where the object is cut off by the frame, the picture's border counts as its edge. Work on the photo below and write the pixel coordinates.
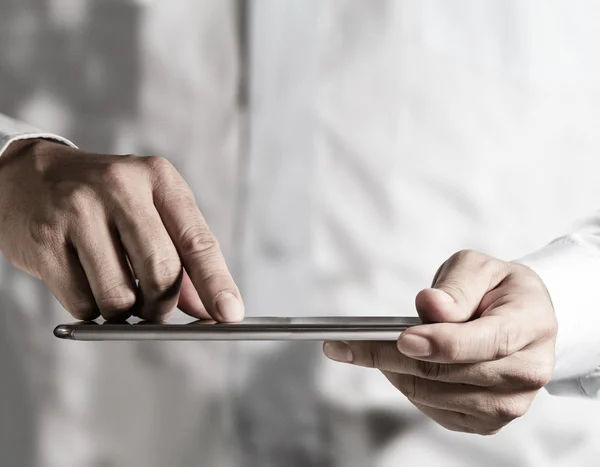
(89, 225)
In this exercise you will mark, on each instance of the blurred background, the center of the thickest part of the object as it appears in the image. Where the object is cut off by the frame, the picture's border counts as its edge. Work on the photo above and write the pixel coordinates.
(341, 151)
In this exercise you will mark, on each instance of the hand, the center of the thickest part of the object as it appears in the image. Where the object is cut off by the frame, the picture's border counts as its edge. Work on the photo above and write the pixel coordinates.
(90, 225)
(487, 350)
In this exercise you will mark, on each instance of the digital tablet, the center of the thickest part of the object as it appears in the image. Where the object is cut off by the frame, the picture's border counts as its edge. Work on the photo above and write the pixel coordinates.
(346, 328)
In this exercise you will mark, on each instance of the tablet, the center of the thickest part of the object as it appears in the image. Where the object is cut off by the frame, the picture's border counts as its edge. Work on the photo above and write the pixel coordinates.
(380, 328)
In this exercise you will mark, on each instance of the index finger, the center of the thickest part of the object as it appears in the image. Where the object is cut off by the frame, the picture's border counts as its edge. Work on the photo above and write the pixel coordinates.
(198, 248)
(386, 357)
(484, 339)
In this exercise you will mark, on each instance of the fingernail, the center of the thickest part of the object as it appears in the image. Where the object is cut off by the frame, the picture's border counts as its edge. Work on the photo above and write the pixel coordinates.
(229, 307)
(414, 346)
(443, 296)
(338, 351)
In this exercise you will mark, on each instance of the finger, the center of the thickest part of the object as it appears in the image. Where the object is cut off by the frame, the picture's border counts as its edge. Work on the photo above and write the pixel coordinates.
(499, 408)
(528, 369)
(385, 356)
(463, 398)
(459, 287)
(453, 421)
(66, 279)
(103, 260)
(154, 260)
(197, 246)
(461, 422)
(490, 337)
(189, 300)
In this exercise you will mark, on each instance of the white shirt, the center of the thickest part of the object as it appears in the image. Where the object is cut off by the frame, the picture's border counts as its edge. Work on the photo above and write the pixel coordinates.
(569, 268)
(369, 145)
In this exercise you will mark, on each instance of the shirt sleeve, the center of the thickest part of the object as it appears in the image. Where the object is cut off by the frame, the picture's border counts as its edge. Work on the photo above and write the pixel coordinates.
(570, 269)
(12, 130)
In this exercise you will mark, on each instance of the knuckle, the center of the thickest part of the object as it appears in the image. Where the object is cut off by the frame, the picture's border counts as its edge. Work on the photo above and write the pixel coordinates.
(173, 191)
(482, 426)
(408, 385)
(488, 266)
(162, 274)
(117, 176)
(429, 370)
(84, 310)
(159, 166)
(45, 232)
(198, 241)
(219, 281)
(507, 409)
(467, 256)
(483, 374)
(455, 288)
(374, 357)
(489, 431)
(537, 378)
(476, 426)
(494, 270)
(451, 348)
(459, 291)
(79, 202)
(168, 185)
(116, 301)
(528, 279)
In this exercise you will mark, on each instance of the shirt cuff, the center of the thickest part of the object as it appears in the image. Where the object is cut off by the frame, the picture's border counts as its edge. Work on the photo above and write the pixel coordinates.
(570, 270)
(12, 130)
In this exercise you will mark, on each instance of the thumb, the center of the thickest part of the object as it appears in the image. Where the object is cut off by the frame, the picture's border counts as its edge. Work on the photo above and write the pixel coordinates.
(459, 286)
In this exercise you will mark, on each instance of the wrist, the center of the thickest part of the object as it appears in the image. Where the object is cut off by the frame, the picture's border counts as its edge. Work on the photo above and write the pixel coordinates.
(18, 147)
(39, 151)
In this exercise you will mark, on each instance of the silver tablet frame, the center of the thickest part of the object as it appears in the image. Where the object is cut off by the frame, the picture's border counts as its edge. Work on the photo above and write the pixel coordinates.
(379, 328)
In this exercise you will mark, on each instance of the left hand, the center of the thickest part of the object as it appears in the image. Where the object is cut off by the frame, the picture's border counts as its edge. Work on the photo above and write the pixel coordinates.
(487, 350)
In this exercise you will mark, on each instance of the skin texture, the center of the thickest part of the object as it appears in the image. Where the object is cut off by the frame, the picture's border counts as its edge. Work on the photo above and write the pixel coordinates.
(111, 235)
(485, 351)
(122, 235)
